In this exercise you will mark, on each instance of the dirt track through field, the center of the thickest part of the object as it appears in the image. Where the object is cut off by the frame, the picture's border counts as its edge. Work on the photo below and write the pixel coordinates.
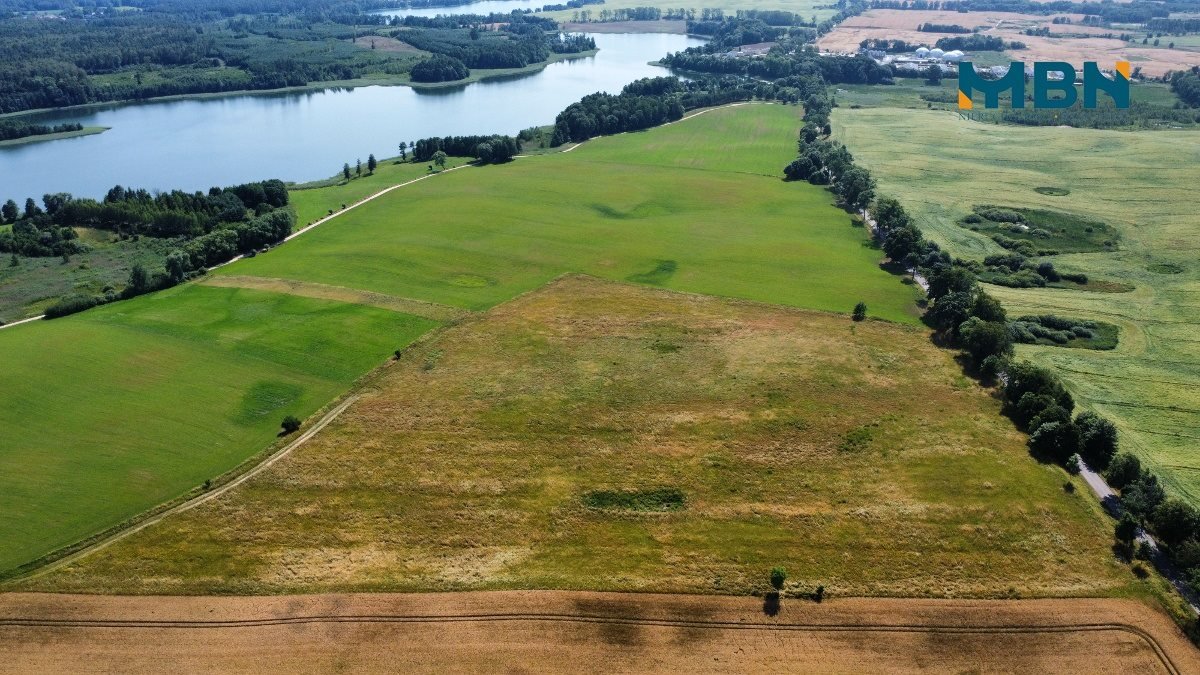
(542, 631)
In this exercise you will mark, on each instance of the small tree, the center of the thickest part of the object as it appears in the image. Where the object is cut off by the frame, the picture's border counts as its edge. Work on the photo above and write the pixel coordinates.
(139, 279)
(358, 167)
(1126, 529)
(403, 150)
(439, 158)
(860, 311)
(291, 424)
(1123, 470)
(346, 171)
(778, 578)
(1072, 464)
(371, 164)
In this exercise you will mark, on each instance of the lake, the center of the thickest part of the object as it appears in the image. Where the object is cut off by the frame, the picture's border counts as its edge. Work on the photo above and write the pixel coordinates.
(194, 144)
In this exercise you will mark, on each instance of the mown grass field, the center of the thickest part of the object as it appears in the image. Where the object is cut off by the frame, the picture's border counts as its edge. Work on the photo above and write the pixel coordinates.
(111, 412)
(854, 454)
(697, 206)
(1141, 183)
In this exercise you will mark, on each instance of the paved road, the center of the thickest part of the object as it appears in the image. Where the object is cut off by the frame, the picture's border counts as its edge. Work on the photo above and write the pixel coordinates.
(1112, 503)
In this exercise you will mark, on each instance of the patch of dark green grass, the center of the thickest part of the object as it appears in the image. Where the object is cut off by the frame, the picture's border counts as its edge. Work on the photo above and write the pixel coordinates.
(857, 438)
(1039, 232)
(658, 499)
(1052, 191)
(658, 276)
(264, 398)
(1165, 268)
(665, 347)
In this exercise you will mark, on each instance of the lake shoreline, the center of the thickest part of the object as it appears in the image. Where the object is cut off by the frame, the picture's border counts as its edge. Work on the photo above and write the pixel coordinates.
(38, 138)
(477, 75)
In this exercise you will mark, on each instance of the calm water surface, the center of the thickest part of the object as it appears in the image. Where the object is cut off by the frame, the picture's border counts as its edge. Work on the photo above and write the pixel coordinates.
(195, 144)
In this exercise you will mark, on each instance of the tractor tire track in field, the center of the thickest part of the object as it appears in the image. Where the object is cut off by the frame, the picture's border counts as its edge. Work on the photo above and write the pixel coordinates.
(936, 629)
(198, 500)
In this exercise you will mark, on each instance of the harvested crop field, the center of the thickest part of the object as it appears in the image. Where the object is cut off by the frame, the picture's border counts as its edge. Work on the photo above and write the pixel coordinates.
(1073, 43)
(605, 436)
(542, 631)
(898, 24)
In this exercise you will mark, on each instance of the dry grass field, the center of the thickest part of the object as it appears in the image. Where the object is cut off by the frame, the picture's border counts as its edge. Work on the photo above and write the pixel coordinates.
(594, 632)
(603, 436)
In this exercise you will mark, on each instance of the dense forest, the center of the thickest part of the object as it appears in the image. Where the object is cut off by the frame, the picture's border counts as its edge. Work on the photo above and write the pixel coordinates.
(90, 54)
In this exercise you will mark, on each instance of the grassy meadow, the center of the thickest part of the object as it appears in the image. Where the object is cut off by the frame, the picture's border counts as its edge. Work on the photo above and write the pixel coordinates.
(113, 411)
(123, 407)
(1140, 183)
(698, 206)
(609, 436)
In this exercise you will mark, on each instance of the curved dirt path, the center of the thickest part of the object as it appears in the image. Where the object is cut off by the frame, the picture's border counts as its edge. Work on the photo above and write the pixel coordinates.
(542, 631)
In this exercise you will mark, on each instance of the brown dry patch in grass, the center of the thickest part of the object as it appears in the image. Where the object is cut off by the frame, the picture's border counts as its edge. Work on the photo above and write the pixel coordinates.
(463, 466)
(586, 632)
(308, 289)
(387, 44)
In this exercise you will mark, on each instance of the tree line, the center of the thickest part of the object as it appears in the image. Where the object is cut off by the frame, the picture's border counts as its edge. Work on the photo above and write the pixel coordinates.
(1186, 86)
(856, 69)
(192, 258)
(487, 149)
(14, 129)
(652, 101)
(46, 230)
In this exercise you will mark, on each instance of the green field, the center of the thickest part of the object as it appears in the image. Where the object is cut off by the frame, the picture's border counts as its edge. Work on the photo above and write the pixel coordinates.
(611, 436)
(1141, 183)
(174, 371)
(110, 412)
(703, 198)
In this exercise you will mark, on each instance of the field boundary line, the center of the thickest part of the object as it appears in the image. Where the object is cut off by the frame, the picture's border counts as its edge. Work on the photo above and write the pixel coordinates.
(956, 629)
(197, 500)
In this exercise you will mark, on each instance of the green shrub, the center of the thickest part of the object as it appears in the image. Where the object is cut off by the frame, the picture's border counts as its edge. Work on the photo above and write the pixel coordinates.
(778, 578)
(70, 305)
(291, 424)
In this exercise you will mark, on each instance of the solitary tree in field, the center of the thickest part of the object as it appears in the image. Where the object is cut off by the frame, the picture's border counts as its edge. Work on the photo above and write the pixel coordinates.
(860, 311)
(778, 577)
(371, 164)
(403, 150)
(439, 158)
(290, 424)
(346, 171)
